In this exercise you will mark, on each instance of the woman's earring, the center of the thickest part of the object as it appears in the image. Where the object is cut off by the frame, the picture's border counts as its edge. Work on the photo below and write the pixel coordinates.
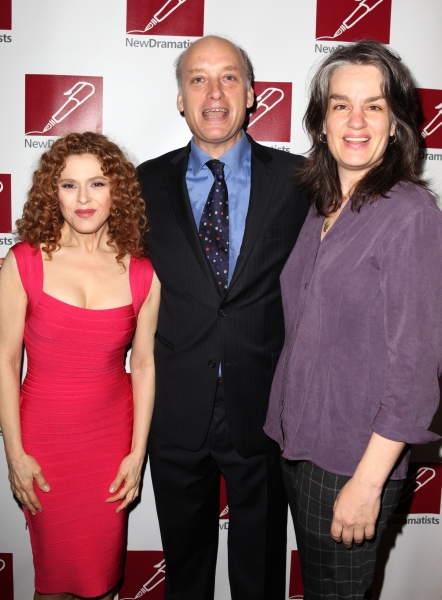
(392, 139)
(323, 138)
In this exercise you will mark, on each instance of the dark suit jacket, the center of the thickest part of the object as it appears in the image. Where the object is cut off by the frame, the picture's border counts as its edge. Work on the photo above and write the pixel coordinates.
(197, 328)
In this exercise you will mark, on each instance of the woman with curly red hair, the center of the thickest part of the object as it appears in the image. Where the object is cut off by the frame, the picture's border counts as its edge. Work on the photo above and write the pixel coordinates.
(76, 290)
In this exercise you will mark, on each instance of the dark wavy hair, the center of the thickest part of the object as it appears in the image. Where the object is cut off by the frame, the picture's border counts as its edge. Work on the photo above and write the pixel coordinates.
(319, 173)
(42, 220)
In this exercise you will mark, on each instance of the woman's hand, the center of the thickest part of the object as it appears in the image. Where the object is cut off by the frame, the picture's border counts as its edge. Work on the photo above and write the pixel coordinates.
(127, 482)
(358, 504)
(355, 513)
(22, 472)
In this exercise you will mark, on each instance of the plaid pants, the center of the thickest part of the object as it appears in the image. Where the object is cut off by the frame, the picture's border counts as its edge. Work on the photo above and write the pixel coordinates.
(330, 570)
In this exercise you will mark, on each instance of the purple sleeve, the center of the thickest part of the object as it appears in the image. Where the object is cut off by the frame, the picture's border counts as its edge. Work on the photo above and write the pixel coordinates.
(411, 281)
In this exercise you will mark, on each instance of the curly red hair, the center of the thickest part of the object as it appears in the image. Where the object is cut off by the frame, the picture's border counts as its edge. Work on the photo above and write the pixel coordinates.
(42, 220)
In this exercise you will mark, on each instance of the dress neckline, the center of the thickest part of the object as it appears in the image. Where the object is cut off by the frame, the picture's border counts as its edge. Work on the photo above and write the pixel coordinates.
(100, 310)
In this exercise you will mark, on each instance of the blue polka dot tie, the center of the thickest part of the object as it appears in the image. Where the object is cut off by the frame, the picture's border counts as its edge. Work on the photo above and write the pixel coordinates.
(214, 226)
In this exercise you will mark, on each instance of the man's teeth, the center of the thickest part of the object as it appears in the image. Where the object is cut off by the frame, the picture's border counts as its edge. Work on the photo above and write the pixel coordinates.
(354, 139)
(215, 110)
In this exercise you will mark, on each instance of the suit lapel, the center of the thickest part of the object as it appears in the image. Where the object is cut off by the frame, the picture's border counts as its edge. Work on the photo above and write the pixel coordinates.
(179, 197)
(263, 181)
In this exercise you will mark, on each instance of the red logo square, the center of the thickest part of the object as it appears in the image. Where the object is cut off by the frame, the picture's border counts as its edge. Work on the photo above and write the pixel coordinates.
(58, 104)
(6, 14)
(271, 122)
(224, 513)
(431, 117)
(5, 204)
(350, 20)
(144, 575)
(421, 493)
(296, 588)
(6, 577)
(165, 17)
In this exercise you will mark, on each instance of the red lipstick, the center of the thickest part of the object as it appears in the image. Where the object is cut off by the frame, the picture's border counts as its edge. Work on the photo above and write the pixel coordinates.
(85, 213)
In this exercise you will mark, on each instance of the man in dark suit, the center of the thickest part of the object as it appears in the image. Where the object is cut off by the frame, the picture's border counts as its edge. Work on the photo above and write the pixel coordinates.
(220, 331)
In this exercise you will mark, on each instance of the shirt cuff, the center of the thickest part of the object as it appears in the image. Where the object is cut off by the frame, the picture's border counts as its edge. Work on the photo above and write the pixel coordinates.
(398, 430)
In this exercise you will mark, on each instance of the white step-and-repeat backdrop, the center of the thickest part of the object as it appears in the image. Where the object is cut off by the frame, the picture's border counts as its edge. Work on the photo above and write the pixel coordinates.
(107, 66)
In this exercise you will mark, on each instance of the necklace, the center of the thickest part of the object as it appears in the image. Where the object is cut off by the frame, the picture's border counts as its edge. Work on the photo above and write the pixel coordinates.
(325, 226)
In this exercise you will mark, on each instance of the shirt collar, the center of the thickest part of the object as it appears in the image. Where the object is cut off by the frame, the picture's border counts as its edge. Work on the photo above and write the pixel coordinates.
(234, 158)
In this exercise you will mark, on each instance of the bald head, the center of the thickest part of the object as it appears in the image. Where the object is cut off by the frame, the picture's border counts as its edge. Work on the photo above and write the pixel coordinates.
(207, 42)
(214, 93)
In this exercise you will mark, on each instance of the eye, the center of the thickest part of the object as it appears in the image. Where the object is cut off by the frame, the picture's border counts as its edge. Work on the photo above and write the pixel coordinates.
(374, 108)
(230, 77)
(339, 107)
(67, 186)
(197, 80)
(98, 184)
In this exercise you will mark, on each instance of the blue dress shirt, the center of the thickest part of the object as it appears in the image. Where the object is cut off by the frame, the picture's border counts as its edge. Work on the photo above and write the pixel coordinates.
(237, 170)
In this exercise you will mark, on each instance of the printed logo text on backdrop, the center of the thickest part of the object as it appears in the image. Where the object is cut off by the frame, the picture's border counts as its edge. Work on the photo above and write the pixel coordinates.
(144, 575)
(271, 122)
(165, 17)
(422, 490)
(6, 577)
(430, 123)
(224, 513)
(350, 20)
(5, 16)
(296, 589)
(58, 104)
(5, 204)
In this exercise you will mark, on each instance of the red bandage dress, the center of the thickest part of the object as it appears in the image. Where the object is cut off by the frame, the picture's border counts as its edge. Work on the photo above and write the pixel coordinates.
(76, 412)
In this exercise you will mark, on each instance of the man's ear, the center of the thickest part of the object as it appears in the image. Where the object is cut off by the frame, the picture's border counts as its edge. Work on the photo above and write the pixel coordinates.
(179, 102)
(250, 97)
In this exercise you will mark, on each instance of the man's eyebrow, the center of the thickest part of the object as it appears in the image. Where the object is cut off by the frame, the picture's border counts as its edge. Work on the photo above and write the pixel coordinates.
(202, 70)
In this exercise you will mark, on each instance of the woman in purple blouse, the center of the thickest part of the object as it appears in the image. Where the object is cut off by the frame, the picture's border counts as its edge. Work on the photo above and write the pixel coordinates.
(357, 381)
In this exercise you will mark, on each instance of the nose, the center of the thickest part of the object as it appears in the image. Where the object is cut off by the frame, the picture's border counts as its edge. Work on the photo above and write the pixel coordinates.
(356, 118)
(83, 196)
(215, 91)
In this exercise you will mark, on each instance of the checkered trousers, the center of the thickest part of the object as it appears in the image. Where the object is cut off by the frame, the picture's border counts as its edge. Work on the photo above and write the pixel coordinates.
(330, 570)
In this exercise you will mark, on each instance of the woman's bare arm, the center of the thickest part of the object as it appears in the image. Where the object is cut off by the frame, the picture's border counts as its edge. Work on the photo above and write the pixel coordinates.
(23, 469)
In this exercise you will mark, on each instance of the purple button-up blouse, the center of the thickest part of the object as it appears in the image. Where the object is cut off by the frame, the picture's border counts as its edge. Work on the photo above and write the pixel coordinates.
(363, 325)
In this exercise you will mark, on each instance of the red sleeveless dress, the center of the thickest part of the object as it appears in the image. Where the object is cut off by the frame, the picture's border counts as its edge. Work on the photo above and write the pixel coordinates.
(76, 418)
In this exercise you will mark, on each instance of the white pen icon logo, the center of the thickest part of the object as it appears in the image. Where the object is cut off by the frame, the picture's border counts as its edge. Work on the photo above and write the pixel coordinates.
(434, 124)
(423, 476)
(361, 11)
(266, 102)
(161, 15)
(78, 94)
(158, 577)
(2, 564)
(1, 190)
(224, 512)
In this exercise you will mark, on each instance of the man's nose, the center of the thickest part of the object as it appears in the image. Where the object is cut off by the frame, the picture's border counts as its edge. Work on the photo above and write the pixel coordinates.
(215, 90)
